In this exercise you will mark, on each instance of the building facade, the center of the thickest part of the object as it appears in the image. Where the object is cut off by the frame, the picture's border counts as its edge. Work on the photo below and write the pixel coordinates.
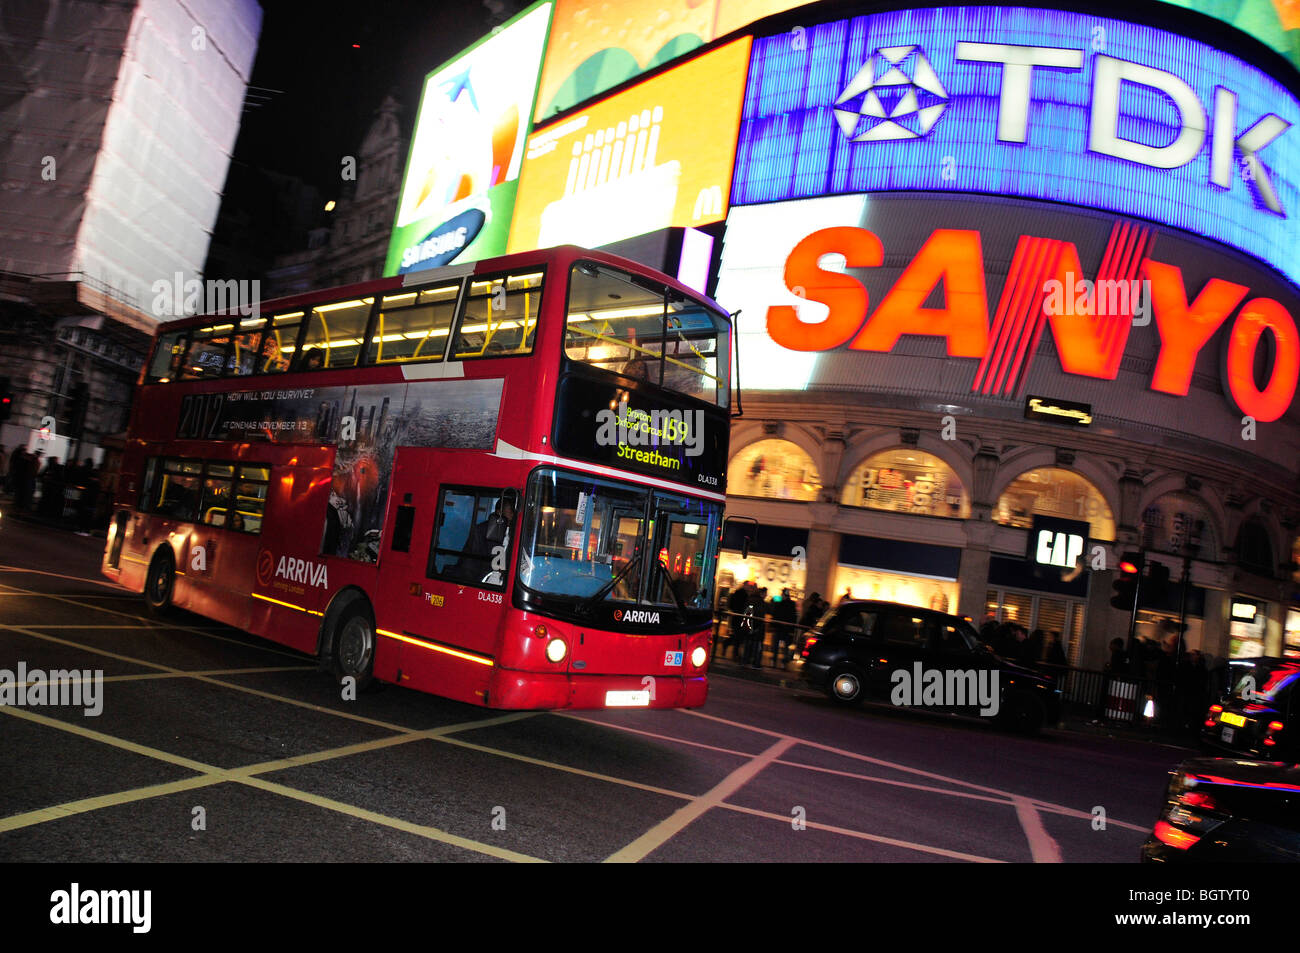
(115, 151)
(353, 247)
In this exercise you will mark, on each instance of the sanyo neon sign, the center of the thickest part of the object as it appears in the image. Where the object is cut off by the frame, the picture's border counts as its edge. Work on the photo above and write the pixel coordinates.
(1109, 76)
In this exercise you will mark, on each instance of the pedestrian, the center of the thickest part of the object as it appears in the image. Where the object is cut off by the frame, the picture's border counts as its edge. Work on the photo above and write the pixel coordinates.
(1031, 649)
(1005, 643)
(1055, 650)
(848, 595)
(785, 615)
(736, 605)
(814, 607)
(757, 612)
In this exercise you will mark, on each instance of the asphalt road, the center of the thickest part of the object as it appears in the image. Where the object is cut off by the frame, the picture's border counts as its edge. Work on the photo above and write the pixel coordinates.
(213, 745)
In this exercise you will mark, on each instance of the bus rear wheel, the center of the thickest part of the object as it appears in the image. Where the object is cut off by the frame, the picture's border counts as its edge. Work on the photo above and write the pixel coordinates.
(160, 583)
(353, 652)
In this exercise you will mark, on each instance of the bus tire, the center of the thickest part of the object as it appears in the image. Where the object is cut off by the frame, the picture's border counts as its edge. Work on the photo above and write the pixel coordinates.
(160, 583)
(352, 648)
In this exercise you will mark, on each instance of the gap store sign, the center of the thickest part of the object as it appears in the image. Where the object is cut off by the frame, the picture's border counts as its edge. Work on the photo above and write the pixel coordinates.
(1042, 104)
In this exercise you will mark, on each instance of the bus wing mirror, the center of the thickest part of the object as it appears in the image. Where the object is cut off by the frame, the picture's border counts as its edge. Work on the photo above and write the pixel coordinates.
(732, 527)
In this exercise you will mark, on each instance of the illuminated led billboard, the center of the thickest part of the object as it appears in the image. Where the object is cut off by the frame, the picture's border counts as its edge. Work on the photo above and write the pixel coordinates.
(974, 299)
(596, 45)
(655, 156)
(1035, 103)
(459, 190)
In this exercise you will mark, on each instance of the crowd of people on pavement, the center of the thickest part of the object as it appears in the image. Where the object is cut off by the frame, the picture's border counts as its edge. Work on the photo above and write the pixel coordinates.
(1183, 681)
(23, 472)
(1012, 641)
(751, 616)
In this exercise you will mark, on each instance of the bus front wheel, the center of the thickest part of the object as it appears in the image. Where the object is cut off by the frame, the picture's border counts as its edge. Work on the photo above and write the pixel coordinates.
(354, 647)
(160, 583)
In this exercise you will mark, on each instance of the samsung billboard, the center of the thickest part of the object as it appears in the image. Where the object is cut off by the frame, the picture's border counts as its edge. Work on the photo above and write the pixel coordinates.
(1039, 104)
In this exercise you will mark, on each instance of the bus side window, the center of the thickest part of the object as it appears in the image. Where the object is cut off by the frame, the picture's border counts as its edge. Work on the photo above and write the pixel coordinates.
(176, 493)
(500, 316)
(280, 343)
(215, 501)
(209, 348)
(250, 499)
(413, 326)
(334, 335)
(467, 535)
(244, 359)
(403, 525)
(167, 357)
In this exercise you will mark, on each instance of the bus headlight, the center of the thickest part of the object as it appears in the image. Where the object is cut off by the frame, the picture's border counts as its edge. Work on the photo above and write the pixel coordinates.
(698, 655)
(556, 650)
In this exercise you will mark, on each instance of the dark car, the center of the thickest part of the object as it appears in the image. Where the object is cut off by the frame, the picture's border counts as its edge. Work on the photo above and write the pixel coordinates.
(1221, 810)
(912, 657)
(1252, 719)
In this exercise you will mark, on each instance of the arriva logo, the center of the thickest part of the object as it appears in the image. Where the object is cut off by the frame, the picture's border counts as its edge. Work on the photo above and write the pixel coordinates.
(636, 615)
(302, 571)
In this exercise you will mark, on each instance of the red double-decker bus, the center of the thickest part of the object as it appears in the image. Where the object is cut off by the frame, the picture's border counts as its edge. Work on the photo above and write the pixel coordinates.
(500, 482)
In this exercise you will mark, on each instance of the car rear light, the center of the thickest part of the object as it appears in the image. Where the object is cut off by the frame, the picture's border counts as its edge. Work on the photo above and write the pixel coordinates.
(1198, 799)
(1274, 727)
(1216, 708)
(1189, 814)
(1168, 834)
(808, 645)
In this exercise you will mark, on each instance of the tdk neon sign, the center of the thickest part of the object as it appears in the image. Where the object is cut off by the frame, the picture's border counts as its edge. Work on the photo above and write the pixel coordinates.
(1109, 75)
(1032, 103)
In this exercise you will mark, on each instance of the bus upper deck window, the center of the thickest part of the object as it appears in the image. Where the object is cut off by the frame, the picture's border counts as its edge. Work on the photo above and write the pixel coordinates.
(167, 357)
(413, 326)
(280, 343)
(500, 316)
(334, 335)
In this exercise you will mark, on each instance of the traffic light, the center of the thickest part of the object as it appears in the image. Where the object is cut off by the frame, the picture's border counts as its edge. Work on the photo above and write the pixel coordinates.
(6, 399)
(1127, 575)
(1157, 584)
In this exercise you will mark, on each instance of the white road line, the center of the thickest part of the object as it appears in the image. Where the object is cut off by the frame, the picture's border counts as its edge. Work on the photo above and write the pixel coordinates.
(1042, 847)
(676, 822)
(876, 838)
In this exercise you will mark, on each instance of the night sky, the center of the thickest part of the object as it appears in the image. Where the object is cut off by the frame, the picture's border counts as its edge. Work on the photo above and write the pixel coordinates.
(331, 89)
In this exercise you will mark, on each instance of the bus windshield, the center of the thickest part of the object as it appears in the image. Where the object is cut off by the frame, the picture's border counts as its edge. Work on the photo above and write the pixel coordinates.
(647, 332)
(589, 538)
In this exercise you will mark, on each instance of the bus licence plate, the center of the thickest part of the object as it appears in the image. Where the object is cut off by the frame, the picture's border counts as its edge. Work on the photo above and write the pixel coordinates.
(640, 699)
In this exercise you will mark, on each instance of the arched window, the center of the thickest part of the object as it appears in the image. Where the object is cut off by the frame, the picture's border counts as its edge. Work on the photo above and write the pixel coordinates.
(777, 469)
(1051, 491)
(1255, 548)
(907, 481)
(1179, 523)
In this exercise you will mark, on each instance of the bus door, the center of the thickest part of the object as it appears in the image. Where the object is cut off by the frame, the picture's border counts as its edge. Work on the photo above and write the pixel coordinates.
(401, 568)
(473, 540)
